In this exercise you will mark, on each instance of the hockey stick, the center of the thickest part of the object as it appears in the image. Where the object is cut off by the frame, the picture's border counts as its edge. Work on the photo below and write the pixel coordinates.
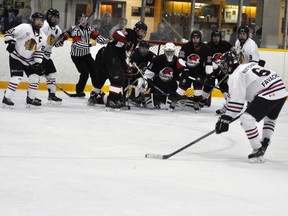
(159, 156)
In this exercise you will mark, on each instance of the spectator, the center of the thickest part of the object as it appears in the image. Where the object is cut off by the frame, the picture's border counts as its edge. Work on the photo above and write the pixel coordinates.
(97, 24)
(160, 35)
(105, 25)
(24, 18)
(253, 36)
(121, 25)
(3, 19)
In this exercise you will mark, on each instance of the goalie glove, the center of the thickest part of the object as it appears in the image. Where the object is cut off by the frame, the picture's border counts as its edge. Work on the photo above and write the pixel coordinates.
(11, 46)
(223, 124)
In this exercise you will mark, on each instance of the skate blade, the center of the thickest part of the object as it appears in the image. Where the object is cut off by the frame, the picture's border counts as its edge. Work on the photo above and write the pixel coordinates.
(30, 106)
(5, 106)
(54, 103)
(257, 160)
(109, 109)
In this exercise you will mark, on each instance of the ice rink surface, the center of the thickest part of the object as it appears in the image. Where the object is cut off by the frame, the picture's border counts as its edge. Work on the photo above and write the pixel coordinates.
(76, 160)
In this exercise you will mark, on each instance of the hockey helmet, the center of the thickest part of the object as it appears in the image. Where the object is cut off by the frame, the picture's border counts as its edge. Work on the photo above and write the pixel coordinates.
(243, 28)
(196, 33)
(169, 51)
(229, 62)
(37, 20)
(50, 13)
(140, 26)
(216, 33)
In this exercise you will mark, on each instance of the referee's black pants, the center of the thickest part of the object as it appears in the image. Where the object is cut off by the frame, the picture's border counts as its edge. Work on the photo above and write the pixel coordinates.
(85, 66)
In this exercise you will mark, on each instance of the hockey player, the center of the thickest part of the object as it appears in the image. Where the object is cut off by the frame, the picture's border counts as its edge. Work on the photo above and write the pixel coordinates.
(265, 93)
(195, 61)
(26, 43)
(246, 48)
(80, 52)
(111, 63)
(161, 76)
(53, 32)
(142, 57)
(218, 47)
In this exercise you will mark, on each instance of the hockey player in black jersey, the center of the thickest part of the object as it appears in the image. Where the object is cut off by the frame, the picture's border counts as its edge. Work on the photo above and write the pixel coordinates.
(218, 47)
(110, 63)
(195, 61)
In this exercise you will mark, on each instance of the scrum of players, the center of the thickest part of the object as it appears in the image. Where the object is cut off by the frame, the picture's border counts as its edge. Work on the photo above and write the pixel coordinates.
(136, 75)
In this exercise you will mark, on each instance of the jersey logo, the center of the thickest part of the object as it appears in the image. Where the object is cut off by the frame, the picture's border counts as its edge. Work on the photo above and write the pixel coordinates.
(31, 45)
(241, 58)
(193, 60)
(166, 74)
(216, 58)
(50, 40)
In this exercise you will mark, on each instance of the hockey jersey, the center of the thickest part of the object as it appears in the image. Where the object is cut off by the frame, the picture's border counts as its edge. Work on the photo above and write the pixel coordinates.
(29, 48)
(248, 52)
(251, 80)
(52, 34)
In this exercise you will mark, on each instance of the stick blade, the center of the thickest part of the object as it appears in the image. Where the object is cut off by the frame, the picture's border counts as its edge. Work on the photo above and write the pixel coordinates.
(154, 156)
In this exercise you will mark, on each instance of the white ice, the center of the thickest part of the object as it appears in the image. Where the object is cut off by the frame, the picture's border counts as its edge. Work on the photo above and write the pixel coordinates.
(76, 160)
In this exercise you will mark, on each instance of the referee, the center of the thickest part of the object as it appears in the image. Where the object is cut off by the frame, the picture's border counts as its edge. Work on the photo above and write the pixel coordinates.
(80, 52)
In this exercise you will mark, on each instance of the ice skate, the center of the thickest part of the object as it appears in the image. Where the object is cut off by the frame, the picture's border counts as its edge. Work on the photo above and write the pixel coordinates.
(7, 103)
(52, 98)
(257, 155)
(113, 104)
(196, 107)
(93, 99)
(32, 103)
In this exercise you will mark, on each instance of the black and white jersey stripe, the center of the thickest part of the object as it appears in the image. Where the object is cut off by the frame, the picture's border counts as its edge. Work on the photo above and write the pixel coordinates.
(80, 44)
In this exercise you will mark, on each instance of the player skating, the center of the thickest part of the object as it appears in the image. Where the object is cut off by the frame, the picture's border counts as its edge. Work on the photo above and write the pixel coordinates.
(265, 93)
(26, 43)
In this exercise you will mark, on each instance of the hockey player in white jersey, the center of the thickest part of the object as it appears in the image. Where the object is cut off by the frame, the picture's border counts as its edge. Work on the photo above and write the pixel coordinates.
(246, 48)
(53, 32)
(26, 43)
(265, 93)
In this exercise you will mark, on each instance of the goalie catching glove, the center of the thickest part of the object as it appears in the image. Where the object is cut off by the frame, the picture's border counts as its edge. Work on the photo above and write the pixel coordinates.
(223, 124)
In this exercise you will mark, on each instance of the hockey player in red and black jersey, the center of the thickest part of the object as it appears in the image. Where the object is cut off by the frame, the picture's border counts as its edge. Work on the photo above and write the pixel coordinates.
(195, 62)
(80, 52)
(218, 47)
(265, 93)
(110, 63)
(160, 78)
(53, 32)
(26, 43)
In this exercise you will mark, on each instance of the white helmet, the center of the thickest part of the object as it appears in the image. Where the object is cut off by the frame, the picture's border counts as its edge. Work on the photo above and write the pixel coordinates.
(169, 50)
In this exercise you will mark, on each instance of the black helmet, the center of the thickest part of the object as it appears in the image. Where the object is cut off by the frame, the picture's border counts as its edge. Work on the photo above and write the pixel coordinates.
(229, 60)
(144, 44)
(196, 33)
(243, 28)
(52, 12)
(140, 25)
(215, 33)
(35, 16)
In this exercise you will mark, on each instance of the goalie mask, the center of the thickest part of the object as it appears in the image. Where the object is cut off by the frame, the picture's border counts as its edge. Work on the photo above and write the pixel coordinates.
(166, 74)
(229, 62)
(169, 51)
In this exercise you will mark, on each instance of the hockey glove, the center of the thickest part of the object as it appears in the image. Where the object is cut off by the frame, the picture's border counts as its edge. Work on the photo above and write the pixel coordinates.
(223, 124)
(36, 69)
(11, 46)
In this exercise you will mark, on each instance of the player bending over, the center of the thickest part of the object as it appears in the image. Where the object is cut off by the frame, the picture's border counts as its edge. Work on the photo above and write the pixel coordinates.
(265, 93)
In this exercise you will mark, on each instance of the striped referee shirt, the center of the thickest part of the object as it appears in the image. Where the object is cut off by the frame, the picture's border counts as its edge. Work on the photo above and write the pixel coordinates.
(81, 40)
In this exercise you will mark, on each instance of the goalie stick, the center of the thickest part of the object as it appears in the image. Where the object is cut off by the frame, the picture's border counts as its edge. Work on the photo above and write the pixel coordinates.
(159, 156)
